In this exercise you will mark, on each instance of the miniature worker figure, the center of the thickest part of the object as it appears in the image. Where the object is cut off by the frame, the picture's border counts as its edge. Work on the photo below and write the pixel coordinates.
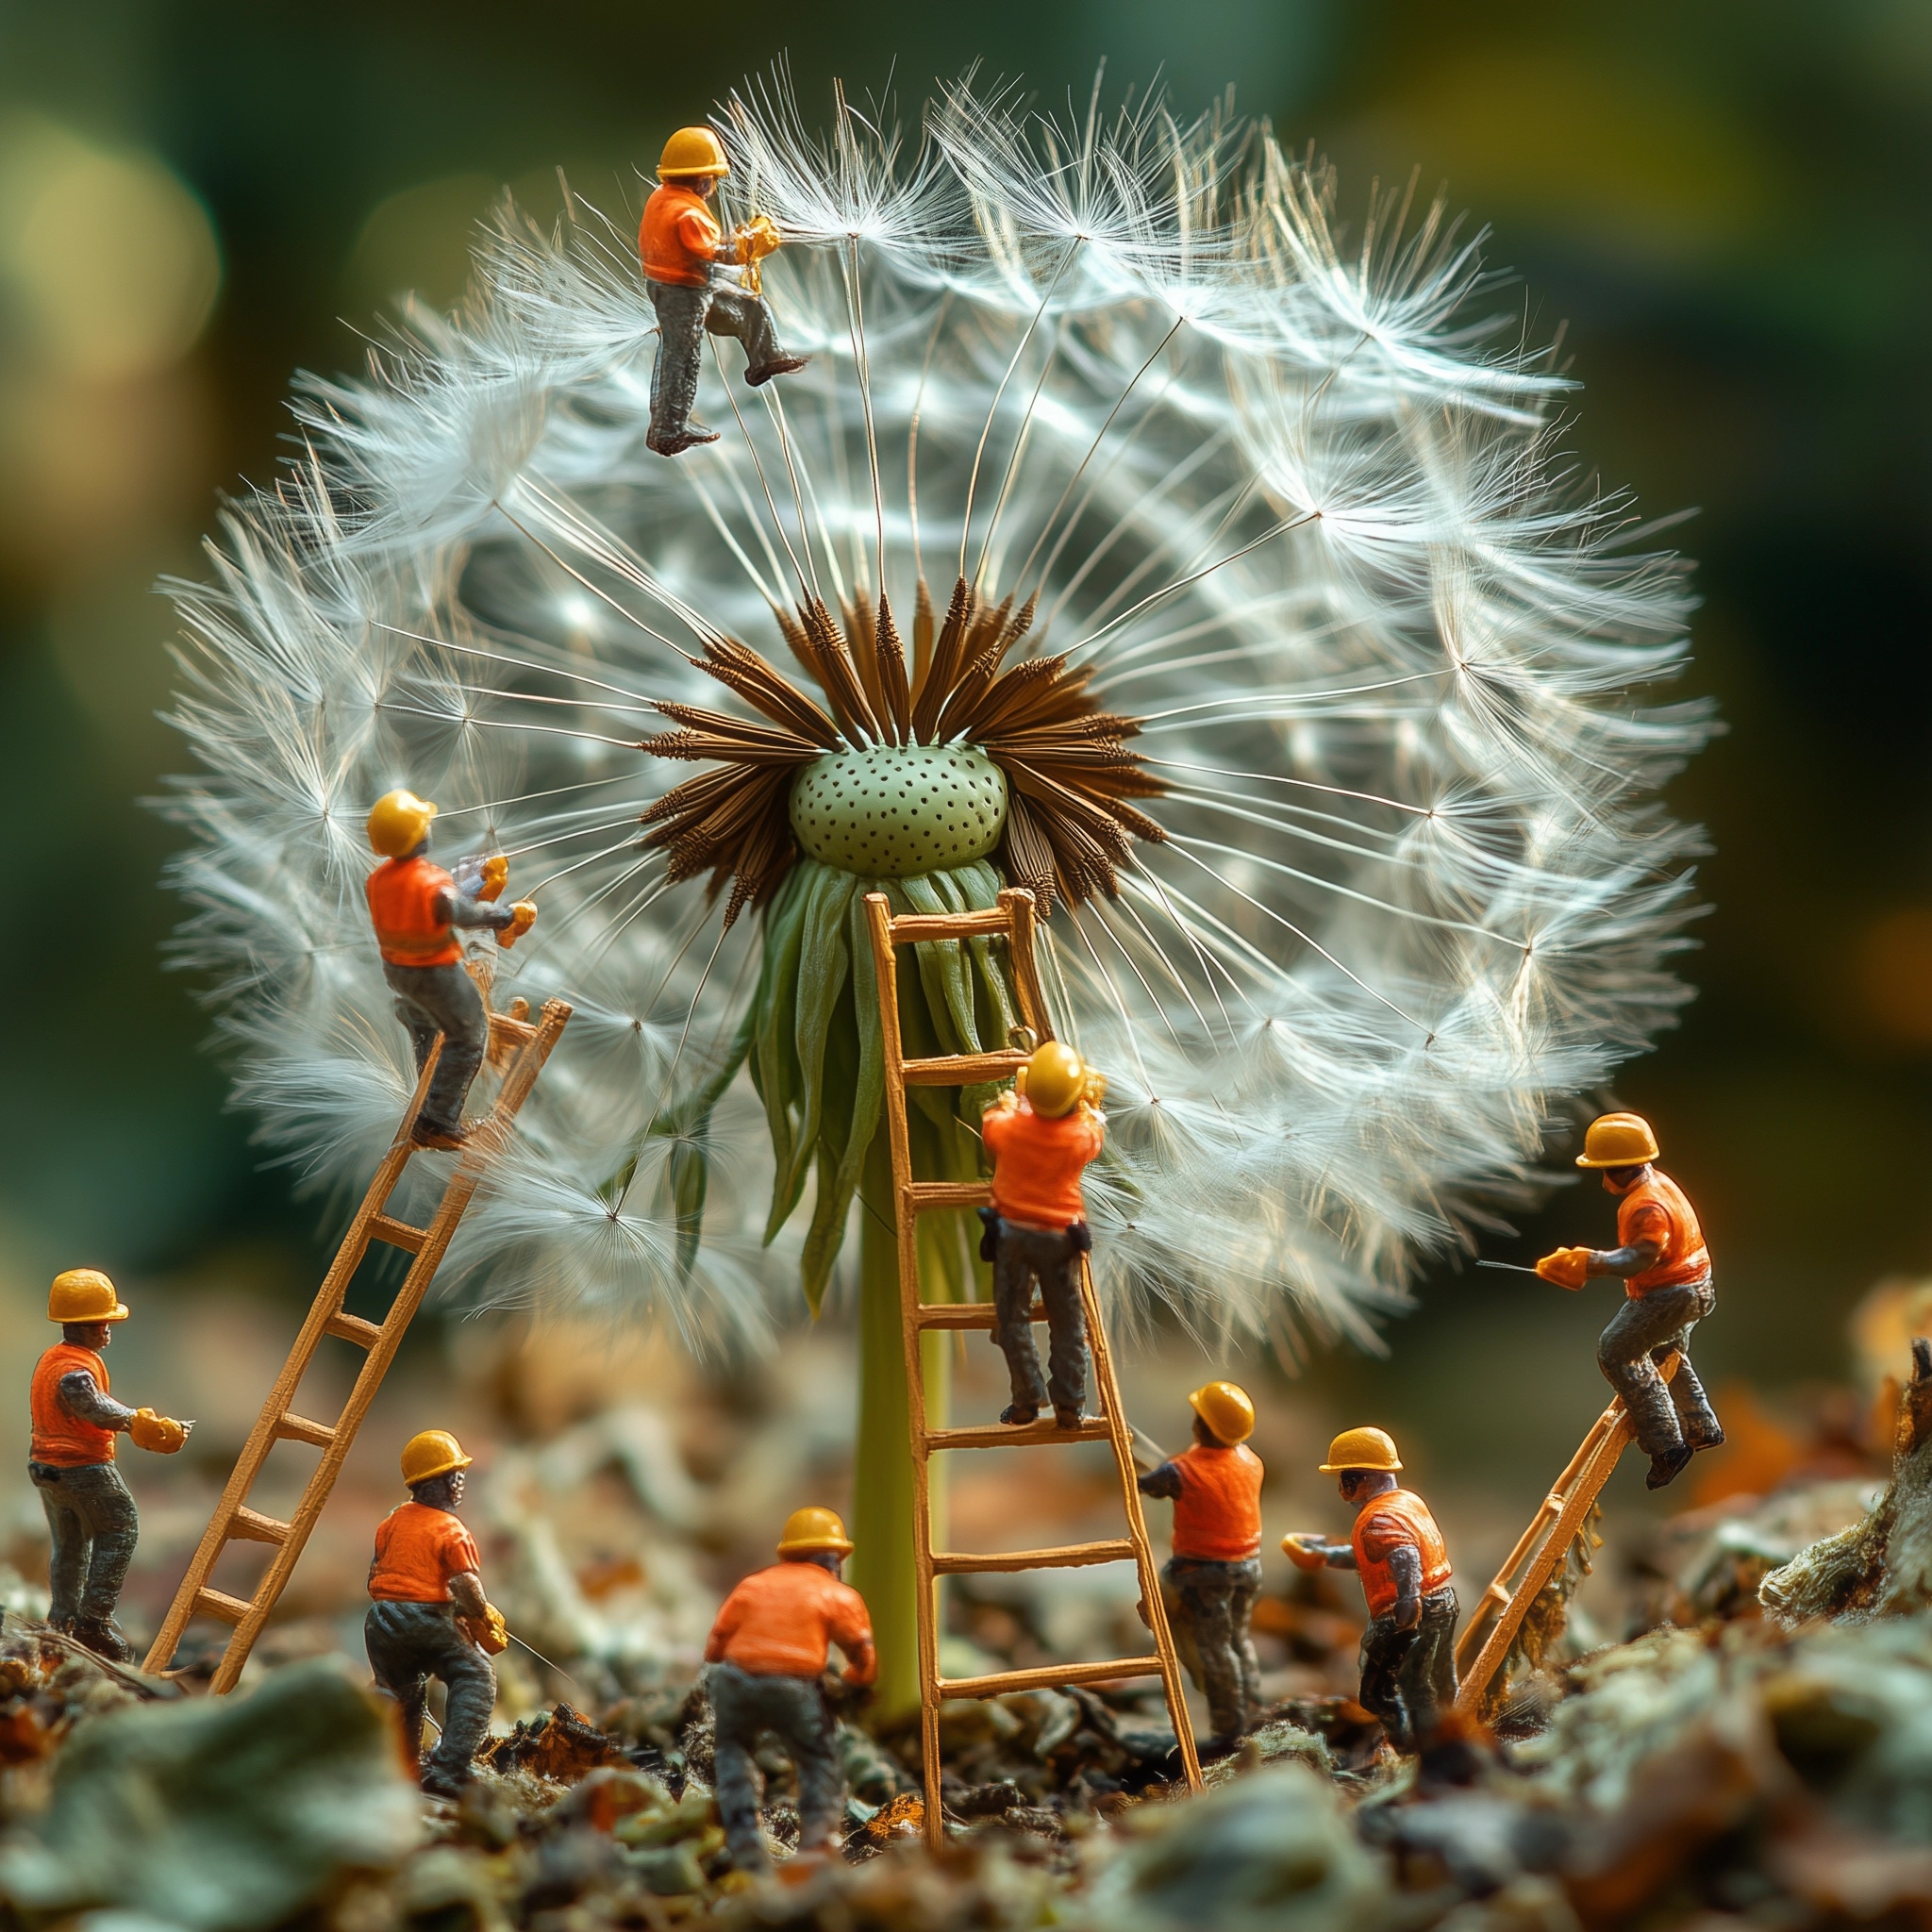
(1666, 1271)
(91, 1517)
(1408, 1650)
(680, 243)
(430, 1618)
(1210, 1582)
(1040, 1137)
(767, 1654)
(415, 905)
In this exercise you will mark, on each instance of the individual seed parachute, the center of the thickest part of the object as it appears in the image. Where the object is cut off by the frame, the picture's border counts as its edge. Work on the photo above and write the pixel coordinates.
(1139, 533)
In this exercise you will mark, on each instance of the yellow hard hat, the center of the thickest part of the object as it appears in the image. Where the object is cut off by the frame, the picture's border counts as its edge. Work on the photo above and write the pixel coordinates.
(432, 1453)
(397, 822)
(1226, 1409)
(692, 151)
(1056, 1077)
(1361, 1449)
(815, 1529)
(84, 1294)
(1618, 1139)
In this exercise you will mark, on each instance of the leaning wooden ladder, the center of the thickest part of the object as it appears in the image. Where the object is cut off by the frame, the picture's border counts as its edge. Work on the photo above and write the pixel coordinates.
(521, 1046)
(1564, 1517)
(1012, 919)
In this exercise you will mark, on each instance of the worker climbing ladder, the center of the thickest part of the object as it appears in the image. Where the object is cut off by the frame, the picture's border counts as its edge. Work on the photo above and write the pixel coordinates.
(520, 1047)
(1559, 1523)
(1013, 920)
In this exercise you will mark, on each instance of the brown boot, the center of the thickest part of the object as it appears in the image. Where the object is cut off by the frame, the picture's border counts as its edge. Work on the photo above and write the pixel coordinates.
(1667, 1465)
(102, 1636)
(674, 443)
(779, 365)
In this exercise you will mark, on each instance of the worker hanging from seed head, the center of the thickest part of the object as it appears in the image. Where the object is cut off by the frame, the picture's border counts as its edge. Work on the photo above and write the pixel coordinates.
(1040, 1137)
(1408, 1650)
(767, 1653)
(1210, 1582)
(429, 1617)
(682, 247)
(415, 905)
(91, 1516)
(1667, 1287)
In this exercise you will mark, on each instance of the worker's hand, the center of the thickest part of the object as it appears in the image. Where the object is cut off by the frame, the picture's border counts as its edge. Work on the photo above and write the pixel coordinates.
(525, 918)
(160, 1433)
(489, 1633)
(1094, 1093)
(1409, 1612)
(496, 876)
(759, 238)
(1567, 1267)
(1304, 1551)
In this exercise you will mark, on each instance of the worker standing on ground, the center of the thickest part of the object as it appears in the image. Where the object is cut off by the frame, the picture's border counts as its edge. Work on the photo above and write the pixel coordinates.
(1666, 1271)
(1408, 1650)
(91, 1516)
(1210, 1582)
(430, 1618)
(415, 905)
(1040, 1137)
(680, 246)
(767, 1654)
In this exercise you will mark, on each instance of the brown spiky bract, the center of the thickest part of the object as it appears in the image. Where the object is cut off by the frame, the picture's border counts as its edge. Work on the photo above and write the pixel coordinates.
(1068, 768)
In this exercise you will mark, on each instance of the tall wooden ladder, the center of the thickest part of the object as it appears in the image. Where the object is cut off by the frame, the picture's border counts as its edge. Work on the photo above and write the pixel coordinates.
(520, 1047)
(1012, 919)
(1563, 1518)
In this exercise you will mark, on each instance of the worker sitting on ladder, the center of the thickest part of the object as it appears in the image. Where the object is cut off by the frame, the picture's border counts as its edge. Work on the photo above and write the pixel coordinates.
(430, 1618)
(1040, 1135)
(767, 1654)
(91, 1516)
(1666, 1269)
(1210, 1582)
(1408, 1650)
(414, 906)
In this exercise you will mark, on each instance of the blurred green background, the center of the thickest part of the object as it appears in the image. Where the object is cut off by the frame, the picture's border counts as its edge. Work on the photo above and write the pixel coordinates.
(1724, 207)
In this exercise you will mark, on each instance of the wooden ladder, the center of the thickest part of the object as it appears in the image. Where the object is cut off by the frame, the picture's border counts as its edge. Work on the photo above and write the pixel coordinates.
(1013, 920)
(1564, 1517)
(519, 1046)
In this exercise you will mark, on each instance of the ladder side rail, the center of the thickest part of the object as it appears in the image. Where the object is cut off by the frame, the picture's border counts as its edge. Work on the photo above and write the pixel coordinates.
(1018, 904)
(263, 1436)
(1108, 1387)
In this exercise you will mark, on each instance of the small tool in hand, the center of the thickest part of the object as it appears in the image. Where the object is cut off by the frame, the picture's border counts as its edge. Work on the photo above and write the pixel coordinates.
(1509, 1267)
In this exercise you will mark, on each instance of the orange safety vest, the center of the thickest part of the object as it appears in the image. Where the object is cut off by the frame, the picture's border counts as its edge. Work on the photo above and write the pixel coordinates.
(1036, 1161)
(1384, 1524)
(678, 239)
(418, 1549)
(781, 1622)
(61, 1437)
(1656, 1210)
(1217, 1516)
(402, 902)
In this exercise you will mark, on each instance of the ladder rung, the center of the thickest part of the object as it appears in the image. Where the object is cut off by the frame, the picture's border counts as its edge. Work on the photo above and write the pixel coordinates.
(1049, 1677)
(915, 927)
(1044, 1433)
(253, 1526)
(218, 1602)
(965, 1314)
(398, 1234)
(1496, 1594)
(513, 1032)
(961, 1069)
(1066, 1557)
(924, 1197)
(347, 1327)
(298, 1428)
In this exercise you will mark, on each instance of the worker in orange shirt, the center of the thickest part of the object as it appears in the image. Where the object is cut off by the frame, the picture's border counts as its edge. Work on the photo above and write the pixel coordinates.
(767, 1654)
(91, 1517)
(1408, 1650)
(680, 244)
(1665, 1267)
(429, 1617)
(415, 906)
(1040, 1135)
(1210, 1582)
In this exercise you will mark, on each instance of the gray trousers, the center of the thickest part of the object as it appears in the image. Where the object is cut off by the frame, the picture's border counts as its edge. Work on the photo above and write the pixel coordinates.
(1021, 1257)
(1409, 1677)
(1209, 1605)
(441, 999)
(683, 317)
(794, 1710)
(94, 1526)
(1666, 1415)
(409, 1643)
